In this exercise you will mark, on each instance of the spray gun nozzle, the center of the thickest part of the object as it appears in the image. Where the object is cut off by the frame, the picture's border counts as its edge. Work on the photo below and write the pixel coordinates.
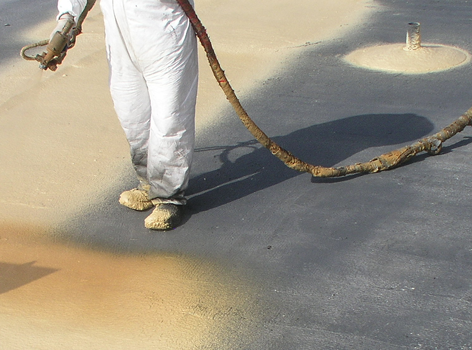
(55, 47)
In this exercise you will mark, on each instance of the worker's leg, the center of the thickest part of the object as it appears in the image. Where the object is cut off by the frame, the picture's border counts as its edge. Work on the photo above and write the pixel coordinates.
(172, 78)
(171, 72)
(172, 129)
(128, 89)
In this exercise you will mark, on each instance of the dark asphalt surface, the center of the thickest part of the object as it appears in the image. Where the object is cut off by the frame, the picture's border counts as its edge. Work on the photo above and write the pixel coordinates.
(16, 17)
(381, 261)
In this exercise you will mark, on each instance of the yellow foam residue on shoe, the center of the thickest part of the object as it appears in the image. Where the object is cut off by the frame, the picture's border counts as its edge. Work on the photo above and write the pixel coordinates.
(135, 199)
(163, 217)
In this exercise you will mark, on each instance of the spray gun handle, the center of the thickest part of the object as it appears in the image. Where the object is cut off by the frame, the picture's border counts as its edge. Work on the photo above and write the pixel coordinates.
(67, 27)
(56, 45)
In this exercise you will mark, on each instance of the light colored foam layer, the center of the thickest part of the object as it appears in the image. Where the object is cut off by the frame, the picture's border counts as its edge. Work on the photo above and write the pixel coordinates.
(56, 296)
(395, 59)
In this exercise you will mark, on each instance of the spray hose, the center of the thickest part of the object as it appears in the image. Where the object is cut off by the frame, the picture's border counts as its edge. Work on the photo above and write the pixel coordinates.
(25, 56)
(59, 43)
(431, 144)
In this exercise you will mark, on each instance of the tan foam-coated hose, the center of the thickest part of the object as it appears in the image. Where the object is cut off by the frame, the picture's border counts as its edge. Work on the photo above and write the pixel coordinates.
(27, 47)
(431, 144)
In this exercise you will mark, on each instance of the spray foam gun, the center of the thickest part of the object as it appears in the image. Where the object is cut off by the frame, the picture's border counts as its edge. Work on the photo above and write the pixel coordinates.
(56, 48)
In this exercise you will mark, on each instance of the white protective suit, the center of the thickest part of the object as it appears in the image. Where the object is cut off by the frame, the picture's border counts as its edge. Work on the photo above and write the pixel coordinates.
(152, 53)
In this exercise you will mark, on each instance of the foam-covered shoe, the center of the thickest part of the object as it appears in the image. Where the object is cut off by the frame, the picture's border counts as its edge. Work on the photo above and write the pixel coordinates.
(136, 199)
(165, 216)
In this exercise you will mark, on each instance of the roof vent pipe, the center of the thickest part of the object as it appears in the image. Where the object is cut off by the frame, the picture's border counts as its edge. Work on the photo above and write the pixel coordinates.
(413, 37)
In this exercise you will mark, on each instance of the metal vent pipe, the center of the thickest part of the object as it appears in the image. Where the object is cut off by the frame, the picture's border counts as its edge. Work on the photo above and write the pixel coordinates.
(413, 36)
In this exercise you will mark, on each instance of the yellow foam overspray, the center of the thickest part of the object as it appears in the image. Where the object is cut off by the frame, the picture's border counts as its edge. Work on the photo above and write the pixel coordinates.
(65, 295)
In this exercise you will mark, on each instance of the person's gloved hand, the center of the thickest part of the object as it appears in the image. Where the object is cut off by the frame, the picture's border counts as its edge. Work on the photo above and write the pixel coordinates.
(58, 46)
(61, 22)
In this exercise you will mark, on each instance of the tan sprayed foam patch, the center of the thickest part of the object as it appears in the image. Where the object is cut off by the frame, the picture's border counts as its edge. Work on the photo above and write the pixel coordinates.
(57, 296)
(395, 59)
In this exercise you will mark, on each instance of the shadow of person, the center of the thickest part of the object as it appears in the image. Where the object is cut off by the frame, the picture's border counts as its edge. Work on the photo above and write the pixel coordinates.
(14, 276)
(248, 167)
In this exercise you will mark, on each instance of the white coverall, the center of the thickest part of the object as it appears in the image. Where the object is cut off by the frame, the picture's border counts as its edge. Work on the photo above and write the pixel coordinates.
(152, 54)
